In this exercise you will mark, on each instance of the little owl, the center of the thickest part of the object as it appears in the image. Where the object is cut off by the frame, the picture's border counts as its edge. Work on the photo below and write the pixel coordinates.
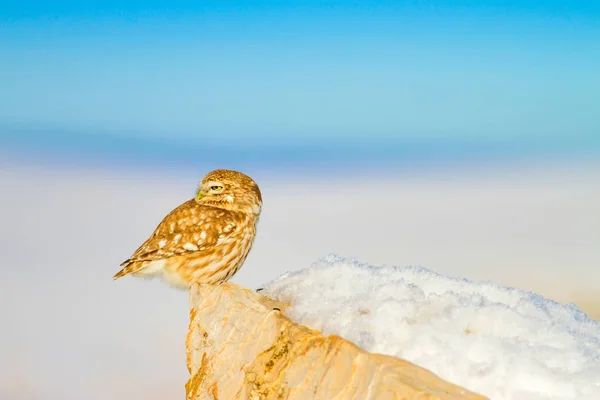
(207, 238)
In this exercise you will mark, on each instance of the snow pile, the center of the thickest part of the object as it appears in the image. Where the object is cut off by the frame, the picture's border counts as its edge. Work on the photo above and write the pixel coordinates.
(501, 342)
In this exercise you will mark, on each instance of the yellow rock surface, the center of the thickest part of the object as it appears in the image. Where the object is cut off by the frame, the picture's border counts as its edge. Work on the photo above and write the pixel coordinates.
(241, 345)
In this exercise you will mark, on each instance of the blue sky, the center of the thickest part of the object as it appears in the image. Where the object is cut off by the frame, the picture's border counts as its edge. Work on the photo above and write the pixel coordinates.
(302, 72)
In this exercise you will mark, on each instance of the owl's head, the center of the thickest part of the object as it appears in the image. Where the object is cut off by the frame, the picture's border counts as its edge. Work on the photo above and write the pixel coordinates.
(231, 190)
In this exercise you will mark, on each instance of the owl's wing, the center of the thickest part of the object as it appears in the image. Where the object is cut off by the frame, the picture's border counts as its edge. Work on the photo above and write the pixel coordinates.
(188, 228)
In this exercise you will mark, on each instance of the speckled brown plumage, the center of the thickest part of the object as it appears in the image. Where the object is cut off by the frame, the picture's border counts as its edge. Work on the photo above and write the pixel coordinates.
(205, 239)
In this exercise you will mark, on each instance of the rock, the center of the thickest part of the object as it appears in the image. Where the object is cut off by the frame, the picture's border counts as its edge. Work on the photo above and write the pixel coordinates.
(241, 345)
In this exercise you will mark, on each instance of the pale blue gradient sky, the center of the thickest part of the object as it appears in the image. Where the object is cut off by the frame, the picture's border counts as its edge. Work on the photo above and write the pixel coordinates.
(520, 73)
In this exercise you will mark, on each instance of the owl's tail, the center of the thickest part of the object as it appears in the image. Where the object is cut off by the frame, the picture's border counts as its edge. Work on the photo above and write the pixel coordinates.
(129, 267)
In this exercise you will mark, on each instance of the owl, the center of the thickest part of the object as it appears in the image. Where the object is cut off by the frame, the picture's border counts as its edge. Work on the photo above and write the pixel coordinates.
(207, 238)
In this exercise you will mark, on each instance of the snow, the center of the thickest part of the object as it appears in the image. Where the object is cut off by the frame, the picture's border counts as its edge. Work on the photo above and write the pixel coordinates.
(501, 342)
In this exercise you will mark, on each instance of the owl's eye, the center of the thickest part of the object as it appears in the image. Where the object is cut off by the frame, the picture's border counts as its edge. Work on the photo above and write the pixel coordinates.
(216, 188)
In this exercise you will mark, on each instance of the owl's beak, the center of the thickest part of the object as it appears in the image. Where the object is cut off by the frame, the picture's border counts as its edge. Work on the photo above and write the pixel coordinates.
(200, 195)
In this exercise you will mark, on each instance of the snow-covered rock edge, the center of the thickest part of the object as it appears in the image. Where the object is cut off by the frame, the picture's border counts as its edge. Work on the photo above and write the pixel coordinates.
(502, 342)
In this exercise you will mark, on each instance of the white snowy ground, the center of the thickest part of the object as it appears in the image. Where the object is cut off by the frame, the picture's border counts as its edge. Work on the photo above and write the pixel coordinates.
(68, 332)
(498, 341)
